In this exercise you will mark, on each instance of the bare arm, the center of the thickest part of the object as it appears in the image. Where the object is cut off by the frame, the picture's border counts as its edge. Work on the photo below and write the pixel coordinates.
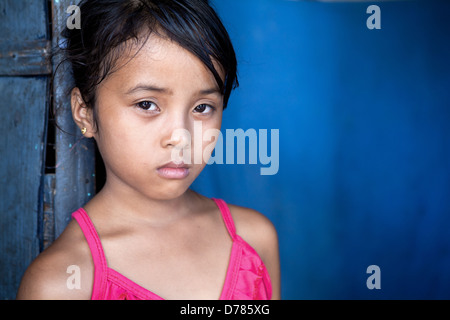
(261, 234)
(51, 277)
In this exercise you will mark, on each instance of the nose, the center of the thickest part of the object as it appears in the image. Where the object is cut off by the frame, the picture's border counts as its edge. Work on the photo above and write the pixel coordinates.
(177, 134)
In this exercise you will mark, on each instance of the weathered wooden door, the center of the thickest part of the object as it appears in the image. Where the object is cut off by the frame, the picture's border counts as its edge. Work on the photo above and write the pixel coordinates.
(45, 173)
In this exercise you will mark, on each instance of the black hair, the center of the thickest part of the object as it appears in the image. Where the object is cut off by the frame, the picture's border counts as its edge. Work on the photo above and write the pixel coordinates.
(106, 25)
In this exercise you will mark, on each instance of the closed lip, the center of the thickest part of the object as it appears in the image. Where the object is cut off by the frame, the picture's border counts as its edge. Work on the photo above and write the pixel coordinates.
(173, 170)
(175, 165)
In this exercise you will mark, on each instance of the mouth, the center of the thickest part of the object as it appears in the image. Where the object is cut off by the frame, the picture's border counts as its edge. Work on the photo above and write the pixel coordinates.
(173, 170)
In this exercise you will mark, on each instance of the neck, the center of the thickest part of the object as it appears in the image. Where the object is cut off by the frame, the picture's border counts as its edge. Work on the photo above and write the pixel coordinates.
(122, 201)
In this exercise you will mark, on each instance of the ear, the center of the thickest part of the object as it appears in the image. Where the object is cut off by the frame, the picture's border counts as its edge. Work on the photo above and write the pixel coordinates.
(82, 115)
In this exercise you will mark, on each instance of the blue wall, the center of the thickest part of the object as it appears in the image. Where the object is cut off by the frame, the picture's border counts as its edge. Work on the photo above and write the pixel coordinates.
(364, 128)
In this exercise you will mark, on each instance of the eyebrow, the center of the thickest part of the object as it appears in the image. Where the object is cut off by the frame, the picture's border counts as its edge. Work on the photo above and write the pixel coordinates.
(211, 91)
(149, 87)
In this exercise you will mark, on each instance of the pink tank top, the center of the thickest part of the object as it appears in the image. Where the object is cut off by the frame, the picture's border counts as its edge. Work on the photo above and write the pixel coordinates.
(246, 279)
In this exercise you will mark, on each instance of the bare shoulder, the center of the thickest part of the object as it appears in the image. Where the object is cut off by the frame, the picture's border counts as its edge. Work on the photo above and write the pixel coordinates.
(51, 275)
(254, 227)
(259, 232)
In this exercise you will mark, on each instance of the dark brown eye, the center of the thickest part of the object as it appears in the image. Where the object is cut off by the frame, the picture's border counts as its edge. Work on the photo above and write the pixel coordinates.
(203, 108)
(147, 105)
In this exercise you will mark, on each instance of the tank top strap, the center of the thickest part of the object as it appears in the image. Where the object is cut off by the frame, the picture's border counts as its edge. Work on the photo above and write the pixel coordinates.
(98, 256)
(227, 218)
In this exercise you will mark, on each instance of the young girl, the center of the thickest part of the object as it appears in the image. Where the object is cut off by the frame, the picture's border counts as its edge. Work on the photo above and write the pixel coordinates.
(144, 69)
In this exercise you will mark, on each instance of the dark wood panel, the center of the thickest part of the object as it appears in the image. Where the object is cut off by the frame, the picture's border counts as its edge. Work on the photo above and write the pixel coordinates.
(75, 155)
(24, 44)
(22, 142)
(23, 20)
(25, 58)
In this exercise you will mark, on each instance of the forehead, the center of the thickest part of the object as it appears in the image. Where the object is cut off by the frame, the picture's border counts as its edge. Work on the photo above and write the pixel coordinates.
(157, 58)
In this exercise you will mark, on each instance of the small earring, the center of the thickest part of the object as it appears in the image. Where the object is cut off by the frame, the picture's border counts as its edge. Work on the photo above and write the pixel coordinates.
(83, 131)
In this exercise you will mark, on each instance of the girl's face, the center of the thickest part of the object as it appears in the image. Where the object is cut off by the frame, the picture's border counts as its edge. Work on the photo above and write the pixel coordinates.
(161, 91)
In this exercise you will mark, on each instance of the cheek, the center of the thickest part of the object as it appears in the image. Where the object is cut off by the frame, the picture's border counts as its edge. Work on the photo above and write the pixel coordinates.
(204, 139)
(122, 140)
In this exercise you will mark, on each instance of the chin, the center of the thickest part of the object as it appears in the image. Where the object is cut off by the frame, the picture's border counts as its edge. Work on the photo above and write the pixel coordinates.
(169, 193)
